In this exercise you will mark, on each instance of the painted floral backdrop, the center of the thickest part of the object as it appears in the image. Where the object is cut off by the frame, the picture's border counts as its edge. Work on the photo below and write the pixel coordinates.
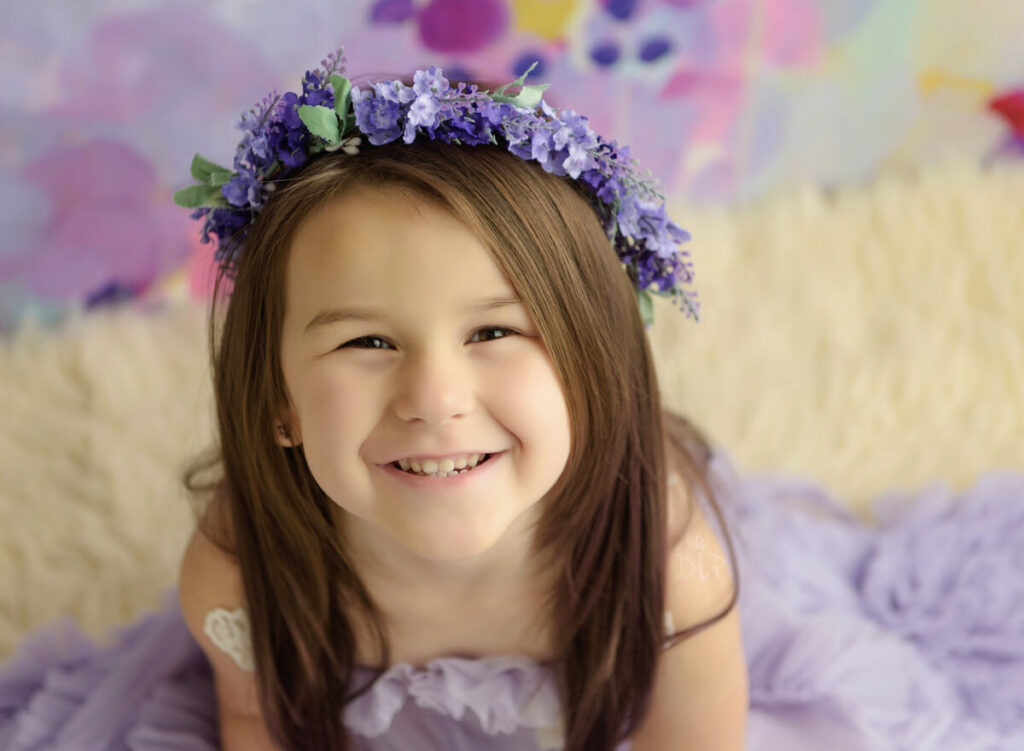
(103, 103)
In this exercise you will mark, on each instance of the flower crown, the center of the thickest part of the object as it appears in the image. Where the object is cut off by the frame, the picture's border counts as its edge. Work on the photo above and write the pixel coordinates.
(283, 131)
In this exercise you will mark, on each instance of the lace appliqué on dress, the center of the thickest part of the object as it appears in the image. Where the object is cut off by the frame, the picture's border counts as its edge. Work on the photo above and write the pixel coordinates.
(229, 630)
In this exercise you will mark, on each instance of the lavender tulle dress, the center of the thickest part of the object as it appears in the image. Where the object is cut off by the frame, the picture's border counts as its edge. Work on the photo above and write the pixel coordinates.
(908, 636)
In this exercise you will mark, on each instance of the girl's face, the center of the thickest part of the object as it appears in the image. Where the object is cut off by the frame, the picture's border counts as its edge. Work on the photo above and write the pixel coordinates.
(403, 340)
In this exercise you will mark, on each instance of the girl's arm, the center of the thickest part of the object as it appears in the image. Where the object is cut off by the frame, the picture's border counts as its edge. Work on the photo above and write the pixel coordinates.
(209, 578)
(701, 693)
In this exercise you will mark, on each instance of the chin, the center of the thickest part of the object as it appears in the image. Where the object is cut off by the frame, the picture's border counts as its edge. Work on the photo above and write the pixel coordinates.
(448, 542)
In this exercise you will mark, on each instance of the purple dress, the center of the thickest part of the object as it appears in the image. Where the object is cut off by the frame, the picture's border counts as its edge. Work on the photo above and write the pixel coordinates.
(152, 691)
(908, 635)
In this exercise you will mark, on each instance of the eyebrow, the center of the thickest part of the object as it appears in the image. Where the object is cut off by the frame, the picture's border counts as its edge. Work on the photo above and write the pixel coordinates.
(339, 315)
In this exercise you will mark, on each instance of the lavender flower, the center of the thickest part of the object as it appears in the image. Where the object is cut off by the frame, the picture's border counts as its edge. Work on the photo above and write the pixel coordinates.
(429, 81)
(376, 116)
(422, 113)
(577, 161)
(243, 191)
(540, 146)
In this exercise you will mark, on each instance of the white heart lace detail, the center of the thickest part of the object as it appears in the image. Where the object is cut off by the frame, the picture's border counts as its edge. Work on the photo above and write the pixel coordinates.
(229, 630)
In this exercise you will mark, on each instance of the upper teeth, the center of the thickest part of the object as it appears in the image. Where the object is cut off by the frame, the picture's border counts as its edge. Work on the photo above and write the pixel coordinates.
(448, 464)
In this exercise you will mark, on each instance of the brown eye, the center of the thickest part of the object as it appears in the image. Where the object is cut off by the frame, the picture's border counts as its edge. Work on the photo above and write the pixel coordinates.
(368, 342)
(501, 331)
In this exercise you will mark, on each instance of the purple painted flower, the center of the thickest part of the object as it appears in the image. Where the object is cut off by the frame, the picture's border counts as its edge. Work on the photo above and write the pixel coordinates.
(391, 11)
(462, 26)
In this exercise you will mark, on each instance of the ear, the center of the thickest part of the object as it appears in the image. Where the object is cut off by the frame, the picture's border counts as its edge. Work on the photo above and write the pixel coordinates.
(288, 434)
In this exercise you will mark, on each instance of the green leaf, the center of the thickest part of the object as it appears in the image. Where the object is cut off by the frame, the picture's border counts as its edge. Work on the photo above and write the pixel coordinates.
(342, 94)
(343, 102)
(518, 82)
(527, 98)
(321, 121)
(202, 169)
(643, 298)
(219, 176)
(199, 197)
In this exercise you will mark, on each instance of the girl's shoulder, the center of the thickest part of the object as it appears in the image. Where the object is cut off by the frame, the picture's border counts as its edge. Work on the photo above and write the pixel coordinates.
(700, 581)
(212, 600)
(209, 577)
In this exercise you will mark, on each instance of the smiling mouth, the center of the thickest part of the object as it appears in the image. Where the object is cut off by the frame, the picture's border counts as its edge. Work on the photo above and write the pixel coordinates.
(441, 475)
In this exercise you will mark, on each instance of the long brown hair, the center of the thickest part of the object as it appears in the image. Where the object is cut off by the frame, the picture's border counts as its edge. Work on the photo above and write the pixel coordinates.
(604, 530)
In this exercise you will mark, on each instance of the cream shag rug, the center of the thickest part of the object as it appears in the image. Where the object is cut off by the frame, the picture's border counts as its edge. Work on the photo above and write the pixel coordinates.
(870, 339)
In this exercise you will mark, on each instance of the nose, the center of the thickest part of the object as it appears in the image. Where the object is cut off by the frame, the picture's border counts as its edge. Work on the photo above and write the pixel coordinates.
(435, 388)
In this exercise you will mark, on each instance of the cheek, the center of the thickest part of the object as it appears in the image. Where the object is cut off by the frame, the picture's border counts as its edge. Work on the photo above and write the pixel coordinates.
(533, 400)
(333, 414)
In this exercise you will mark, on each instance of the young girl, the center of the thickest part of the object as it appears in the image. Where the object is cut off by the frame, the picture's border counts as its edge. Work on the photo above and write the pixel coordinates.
(451, 512)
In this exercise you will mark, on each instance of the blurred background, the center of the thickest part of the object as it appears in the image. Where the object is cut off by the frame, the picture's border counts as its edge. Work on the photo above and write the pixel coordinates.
(851, 171)
(103, 104)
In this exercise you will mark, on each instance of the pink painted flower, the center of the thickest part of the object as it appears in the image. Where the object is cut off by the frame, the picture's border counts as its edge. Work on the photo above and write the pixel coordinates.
(1010, 106)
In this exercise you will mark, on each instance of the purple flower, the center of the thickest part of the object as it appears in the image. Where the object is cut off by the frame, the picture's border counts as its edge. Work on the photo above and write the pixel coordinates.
(394, 91)
(578, 160)
(610, 190)
(314, 90)
(628, 216)
(429, 81)
(287, 112)
(248, 121)
(377, 117)
(556, 162)
(628, 204)
(243, 191)
(469, 128)
(256, 143)
(423, 111)
(293, 158)
(574, 128)
(522, 149)
(319, 98)
(540, 146)
(497, 112)
(678, 234)
(223, 223)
